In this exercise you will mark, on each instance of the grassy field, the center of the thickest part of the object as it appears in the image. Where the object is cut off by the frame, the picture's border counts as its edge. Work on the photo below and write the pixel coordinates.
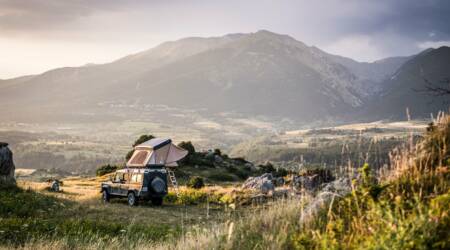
(402, 205)
(31, 216)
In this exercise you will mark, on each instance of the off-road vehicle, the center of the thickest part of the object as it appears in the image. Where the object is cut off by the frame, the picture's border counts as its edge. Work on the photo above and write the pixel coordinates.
(145, 175)
(137, 184)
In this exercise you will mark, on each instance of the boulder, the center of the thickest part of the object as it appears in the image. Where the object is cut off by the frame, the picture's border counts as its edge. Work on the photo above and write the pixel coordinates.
(331, 191)
(278, 181)
(312, 181)
(7, 167)
(262, 183)
(218, 159)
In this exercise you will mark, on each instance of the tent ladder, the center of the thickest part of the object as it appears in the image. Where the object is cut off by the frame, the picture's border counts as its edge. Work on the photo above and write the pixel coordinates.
(174, 182)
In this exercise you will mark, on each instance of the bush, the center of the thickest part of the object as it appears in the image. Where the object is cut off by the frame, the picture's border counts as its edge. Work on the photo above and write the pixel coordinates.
(142, 139)
(196, 182)
(217, 152)
(188, 146)
(267, 168)
(221, 177)
(281, 172)
(129, 154)
(106, 169)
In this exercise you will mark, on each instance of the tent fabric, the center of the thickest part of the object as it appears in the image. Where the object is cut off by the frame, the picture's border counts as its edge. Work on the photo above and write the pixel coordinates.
(157, 151)
(139, 157)
(154, 143)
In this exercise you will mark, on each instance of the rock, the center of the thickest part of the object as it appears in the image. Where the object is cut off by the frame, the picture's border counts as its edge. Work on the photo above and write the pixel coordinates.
(55, 186)
(266, 187)
(331, 191)
(7, 167)
(278, 181)
(218, 159)
(311, 182)
(262, 183)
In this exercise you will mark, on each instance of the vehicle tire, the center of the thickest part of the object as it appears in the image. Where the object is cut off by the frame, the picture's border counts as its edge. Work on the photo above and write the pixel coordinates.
(105, 196)
(132, 199)
(157, 201)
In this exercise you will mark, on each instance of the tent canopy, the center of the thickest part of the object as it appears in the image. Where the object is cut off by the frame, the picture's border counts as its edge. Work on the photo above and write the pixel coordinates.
(157, 151)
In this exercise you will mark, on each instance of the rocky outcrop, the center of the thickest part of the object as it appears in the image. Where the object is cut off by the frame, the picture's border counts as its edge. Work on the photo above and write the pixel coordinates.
(262, 183)
(327, 195)
(312, 180)
(7, 167)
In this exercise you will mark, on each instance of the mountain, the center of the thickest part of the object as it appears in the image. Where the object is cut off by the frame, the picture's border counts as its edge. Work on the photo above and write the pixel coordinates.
(260, 73)
(369, 75)
(257, 73)
(407, 88)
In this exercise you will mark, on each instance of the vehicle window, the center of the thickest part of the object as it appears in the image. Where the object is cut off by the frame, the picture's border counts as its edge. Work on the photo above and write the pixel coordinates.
(118, 177)
(136, 178)
(126, 177)
(139, 178)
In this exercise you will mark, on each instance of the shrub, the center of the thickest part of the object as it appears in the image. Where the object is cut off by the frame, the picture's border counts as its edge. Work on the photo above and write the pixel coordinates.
(106, 169)
(142, 139)
(267, 168)
(188, 146)
(196, 182)
(281, 172)
(221, 177)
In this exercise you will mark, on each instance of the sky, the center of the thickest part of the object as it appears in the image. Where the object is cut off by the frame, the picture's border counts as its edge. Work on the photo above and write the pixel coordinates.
(39, 35)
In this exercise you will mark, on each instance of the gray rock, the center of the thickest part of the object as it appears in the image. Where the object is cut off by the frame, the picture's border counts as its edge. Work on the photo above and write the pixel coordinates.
(278, 181)
(7, 167)
(309, 183)
(330, 192)
(266, 187)
(55, 186)
(218, 159)
(262, 183)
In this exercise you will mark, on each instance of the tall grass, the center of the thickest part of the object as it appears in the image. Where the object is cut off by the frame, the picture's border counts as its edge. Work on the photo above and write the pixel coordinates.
(404, 205)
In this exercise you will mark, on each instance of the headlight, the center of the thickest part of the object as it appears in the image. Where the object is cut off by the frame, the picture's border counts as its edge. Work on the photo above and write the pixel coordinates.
(144, 189)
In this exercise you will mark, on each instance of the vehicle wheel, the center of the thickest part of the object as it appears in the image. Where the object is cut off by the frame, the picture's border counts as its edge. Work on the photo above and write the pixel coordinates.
(132, 199)
(105, 196)
(157, 201)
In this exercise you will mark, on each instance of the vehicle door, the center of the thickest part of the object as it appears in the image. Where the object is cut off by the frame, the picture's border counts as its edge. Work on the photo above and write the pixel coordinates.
(116, 182)
(124, 185)
(136, 181)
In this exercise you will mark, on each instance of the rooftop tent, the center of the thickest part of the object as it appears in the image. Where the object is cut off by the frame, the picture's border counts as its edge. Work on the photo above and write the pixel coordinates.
(157, 151)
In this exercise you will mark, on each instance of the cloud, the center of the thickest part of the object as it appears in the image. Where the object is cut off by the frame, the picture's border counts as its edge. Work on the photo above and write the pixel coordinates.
(433, 44)
(358, 46)
(362, 29)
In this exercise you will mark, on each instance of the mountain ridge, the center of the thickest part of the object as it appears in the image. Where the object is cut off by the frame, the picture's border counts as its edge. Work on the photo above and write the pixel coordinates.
(261, 73)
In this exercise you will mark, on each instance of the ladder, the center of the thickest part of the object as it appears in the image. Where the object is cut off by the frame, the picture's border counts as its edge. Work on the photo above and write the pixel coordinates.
(174, 182)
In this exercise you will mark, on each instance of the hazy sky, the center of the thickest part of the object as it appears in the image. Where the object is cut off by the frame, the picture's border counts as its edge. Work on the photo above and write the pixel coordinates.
(38, 35)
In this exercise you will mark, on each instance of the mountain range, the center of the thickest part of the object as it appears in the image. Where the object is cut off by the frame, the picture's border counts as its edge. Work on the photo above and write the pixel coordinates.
(261, 73)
